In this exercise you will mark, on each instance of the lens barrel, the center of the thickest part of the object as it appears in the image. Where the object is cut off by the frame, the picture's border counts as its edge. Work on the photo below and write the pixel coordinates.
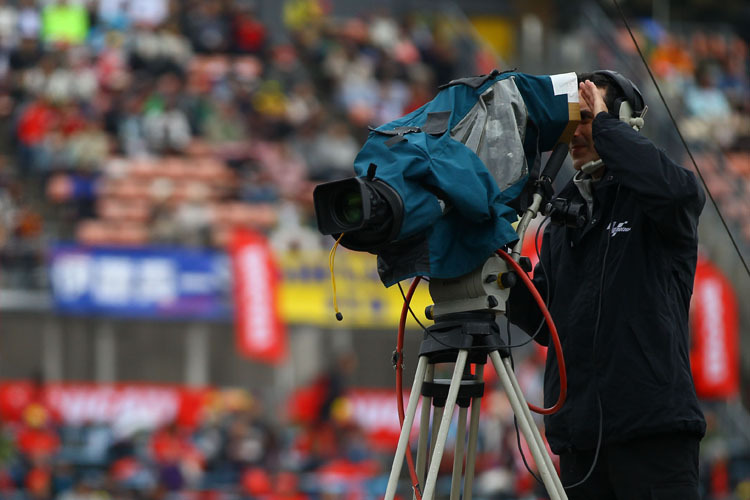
(369, 212)
(347, 208)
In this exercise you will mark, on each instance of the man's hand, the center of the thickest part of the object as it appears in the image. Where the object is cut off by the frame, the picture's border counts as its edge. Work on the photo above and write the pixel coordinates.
(593, 97)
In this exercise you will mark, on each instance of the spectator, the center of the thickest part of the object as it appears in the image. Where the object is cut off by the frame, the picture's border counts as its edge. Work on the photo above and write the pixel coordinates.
(130, 131)
(705, 99)
(84, 490)
(114, 13)
(248, 33)
(207, 27)
(148, 13)
(8, 26)
(166, 128)
(710, 116)
(35, 121)
(165, 125)
(89, 147)
(224, 124)
(29, 20)
(193, 218)
(26, 55)
(332, 152)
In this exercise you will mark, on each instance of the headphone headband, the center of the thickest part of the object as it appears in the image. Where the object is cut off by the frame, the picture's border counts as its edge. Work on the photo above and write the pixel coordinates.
(635, 105)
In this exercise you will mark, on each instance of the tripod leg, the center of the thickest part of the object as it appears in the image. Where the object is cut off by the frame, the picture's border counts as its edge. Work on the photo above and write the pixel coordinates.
(517, 403)
(403, 440)
(437, 419)
(471, 451)
(424, 428)
(450, 403)
(458, 455)
(534, 429)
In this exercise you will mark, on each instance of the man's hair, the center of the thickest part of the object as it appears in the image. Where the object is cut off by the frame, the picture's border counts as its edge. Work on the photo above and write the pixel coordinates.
(604, 82)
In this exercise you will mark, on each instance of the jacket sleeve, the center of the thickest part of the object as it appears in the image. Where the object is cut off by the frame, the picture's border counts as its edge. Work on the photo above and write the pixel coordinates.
(669, 194)
(523, 311)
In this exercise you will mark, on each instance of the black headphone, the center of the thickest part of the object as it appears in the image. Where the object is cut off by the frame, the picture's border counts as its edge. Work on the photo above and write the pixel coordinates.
(630, 108)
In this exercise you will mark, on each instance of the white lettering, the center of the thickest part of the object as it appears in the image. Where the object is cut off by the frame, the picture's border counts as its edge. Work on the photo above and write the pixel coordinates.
(618, 227)
(716, 357)
(256, 298)
(71, 275)
(197, 283)
(156, 281)
(131, 407)
(111, 284)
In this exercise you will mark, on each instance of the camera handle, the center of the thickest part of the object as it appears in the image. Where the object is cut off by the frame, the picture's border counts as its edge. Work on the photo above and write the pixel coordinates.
(542, 194)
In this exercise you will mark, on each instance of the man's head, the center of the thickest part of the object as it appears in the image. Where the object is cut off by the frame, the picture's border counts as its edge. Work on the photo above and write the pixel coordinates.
(582, 148)
(611, 91)
(614, 89)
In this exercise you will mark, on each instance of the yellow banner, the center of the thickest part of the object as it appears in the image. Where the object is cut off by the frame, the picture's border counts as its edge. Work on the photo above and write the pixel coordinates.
(306, 295)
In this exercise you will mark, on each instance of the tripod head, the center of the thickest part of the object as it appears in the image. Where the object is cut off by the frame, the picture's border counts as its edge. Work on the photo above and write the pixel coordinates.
(484, 289)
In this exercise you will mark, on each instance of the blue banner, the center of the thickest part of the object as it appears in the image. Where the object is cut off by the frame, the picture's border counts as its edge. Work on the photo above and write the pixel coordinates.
(169, 283)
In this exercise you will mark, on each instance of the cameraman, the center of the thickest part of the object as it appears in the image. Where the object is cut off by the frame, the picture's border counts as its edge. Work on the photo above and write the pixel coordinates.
(619, 289)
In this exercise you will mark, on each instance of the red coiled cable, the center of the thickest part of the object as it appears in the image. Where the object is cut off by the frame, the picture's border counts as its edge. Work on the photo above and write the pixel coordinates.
(553, 335)
(399, 381)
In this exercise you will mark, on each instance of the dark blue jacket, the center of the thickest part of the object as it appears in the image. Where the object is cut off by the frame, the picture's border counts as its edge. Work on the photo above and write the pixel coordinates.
(635, 280)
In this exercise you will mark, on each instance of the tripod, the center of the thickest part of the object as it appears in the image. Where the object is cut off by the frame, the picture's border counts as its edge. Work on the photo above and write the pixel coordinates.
(465, 333)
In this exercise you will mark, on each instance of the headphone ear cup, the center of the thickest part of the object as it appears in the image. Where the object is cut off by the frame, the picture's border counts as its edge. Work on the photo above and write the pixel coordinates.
(617, 105)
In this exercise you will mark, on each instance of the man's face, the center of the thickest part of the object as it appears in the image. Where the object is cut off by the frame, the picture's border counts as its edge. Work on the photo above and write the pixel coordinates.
(582, 146)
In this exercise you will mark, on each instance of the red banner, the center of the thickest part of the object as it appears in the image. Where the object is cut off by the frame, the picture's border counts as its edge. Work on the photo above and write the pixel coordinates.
(374, 411)
(260, 332)
(715, 326)
(126, 406)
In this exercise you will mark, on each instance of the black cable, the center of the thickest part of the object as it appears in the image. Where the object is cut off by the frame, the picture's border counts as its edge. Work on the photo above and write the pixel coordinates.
(429, 333)
(684, 142)
(509, 346)
(602, 275)
(409, 306)
(425, 330)
(523, 456)
(546, 293)
(515, 423)
(539, 329)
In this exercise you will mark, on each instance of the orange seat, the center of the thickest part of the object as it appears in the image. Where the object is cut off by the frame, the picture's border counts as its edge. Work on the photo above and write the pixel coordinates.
(739, 163)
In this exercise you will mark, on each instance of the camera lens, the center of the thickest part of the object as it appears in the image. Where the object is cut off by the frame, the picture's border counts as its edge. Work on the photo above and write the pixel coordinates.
(347, 207)
(370, 212)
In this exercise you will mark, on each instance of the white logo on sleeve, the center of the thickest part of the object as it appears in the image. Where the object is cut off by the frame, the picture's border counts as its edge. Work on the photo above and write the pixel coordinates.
(618, 227)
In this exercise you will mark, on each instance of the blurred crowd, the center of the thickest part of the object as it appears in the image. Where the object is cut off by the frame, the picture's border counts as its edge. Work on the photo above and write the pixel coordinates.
(313, 448)
(705, 76)
(130, 122)
(133, 122)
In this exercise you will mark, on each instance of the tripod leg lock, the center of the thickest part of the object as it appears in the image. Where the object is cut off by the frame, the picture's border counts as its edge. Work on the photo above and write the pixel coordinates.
(438, 391)
(395, 358)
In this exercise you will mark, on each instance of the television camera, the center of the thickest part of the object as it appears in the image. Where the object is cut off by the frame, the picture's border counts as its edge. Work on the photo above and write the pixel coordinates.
(436, 195)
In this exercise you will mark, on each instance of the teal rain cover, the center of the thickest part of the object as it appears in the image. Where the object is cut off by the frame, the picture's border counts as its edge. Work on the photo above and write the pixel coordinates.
(459, 160)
